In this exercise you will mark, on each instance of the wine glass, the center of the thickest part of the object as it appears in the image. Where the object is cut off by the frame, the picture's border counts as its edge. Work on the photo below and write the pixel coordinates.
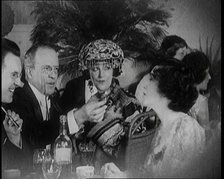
(38, 158)
(50, 168)
(87, 150)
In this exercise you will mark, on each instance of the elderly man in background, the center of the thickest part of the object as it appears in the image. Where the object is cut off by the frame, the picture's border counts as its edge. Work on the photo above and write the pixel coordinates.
(14, 148)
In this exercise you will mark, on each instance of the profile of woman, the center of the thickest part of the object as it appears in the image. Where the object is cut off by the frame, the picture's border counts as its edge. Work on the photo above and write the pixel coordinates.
(199, 65)
(174, 47)
(168, 90)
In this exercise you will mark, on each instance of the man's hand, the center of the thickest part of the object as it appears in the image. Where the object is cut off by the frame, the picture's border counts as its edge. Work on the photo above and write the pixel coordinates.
(93, 110)
(110, 170)
(12, 131)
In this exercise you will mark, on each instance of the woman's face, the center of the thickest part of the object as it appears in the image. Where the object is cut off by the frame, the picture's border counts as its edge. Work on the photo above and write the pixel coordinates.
(180, 53)
(204, 84)
(147, 91)
(101, 75)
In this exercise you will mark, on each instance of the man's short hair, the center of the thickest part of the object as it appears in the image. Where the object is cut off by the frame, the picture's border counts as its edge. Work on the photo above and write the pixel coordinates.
(9, 46)
(31, 52)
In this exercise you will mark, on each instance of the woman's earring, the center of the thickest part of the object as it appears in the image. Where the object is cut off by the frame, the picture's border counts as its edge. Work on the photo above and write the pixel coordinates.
(90, 84)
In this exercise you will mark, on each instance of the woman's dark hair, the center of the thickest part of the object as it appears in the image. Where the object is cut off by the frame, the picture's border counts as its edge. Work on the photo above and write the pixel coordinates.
(175, 83)
(198, 63)
(9, 46)
(170, 45)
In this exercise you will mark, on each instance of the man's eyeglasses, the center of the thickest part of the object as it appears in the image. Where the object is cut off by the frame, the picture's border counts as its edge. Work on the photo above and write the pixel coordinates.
(16, 75)
(47, 69)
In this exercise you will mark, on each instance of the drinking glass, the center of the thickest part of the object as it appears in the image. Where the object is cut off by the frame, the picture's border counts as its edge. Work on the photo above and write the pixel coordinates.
(87, 151)
(38, 158)
(50, 168)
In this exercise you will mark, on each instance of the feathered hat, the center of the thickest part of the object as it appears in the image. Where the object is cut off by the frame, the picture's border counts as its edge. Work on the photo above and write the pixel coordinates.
(71, 24)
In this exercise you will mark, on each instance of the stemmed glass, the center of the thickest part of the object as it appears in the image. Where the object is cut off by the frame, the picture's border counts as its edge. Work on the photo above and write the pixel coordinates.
(38, 158)
(50, 168)
(87, 150)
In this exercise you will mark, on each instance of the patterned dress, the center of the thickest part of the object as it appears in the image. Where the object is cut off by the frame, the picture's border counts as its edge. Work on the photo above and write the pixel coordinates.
(173, 151)
(110, 132)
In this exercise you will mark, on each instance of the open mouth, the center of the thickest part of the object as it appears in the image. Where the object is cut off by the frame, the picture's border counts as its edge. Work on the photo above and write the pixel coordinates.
(100, 81)
(12, 90)
(51, 84)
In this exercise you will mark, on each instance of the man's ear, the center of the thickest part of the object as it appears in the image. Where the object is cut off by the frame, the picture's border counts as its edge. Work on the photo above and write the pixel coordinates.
(28, 72)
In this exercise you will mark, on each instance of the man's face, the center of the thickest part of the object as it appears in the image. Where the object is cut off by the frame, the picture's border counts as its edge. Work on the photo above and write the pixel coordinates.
(45, 72)
(101, 74)
(11, 74)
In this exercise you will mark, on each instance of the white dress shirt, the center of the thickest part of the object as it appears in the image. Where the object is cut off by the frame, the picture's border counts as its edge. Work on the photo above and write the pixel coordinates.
(42, 102)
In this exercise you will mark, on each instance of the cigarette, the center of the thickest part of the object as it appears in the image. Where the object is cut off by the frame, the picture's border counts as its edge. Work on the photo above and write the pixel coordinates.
(13, 121)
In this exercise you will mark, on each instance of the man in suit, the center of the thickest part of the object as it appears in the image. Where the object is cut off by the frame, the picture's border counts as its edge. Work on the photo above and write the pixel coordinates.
(14, 148)
(97, 96)
(36, 102)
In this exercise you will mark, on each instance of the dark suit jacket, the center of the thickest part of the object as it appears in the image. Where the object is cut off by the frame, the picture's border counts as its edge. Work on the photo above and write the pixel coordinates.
(37, 132)
(73, 95)
(12, 156)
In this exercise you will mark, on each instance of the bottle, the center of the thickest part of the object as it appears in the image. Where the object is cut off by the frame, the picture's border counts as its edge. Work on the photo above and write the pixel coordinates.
(63, 149)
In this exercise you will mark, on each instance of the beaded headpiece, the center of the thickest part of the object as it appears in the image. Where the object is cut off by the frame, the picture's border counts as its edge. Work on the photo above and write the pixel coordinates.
(101, 51)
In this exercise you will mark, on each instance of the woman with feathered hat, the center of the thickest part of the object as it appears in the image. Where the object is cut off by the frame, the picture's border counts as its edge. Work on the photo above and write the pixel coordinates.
(97, 96)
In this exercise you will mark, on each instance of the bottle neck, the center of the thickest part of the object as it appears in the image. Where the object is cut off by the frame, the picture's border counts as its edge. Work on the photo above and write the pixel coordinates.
(63, 130)
(63, 125)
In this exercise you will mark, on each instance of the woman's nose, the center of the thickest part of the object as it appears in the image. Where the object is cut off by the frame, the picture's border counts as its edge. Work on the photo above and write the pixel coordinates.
(101, 72)
(209, 76)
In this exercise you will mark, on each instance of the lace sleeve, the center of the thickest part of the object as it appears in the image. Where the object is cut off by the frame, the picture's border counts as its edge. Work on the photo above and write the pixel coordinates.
(200, 111)
(203, 113)
(187, 143)
(184, 142)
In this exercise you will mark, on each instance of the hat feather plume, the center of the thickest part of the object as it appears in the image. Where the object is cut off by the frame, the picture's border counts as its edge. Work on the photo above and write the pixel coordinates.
(71, 24)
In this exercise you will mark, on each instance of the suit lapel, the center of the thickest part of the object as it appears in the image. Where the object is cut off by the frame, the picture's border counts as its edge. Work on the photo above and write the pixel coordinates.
(54, 107)
(34, 101)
